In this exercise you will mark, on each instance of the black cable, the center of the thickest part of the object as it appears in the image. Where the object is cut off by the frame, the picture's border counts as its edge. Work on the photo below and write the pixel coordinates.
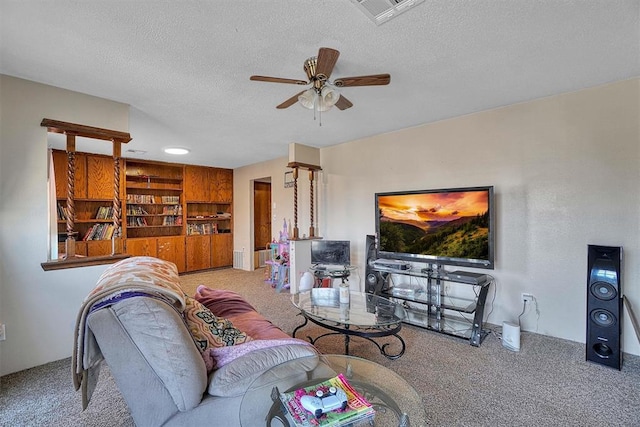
(493, 300)
(524, 308)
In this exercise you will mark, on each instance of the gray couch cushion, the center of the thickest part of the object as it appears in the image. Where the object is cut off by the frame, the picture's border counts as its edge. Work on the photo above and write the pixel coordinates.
(234, 378)
(161, 337)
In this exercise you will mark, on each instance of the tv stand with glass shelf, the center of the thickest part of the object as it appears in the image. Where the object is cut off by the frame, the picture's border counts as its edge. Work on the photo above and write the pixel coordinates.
(440, 301)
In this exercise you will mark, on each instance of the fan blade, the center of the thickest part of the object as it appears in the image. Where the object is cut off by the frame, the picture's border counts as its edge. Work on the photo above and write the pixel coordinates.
(327, 59)
(278, 80)
(289, 102)
(343, 103)
(372, 80)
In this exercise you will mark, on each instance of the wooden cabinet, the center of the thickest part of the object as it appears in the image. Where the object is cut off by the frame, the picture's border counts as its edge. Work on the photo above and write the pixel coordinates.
(205, 184)
(61, 174)
(221, 188)
(170, 248)
(142, 247)
(198, 253)
(101, 247)
(173, 249)
(93, 178)
(93, 202)
(209, 251)
(209, 196)
(209, 218)
(180, 213)
(221, 250)
(153, 205)
(99, 177)
(196, 184)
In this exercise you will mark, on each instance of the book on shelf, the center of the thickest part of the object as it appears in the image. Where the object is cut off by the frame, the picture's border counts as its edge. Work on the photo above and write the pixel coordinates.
(172, 210)
(100, 231)
(141, 198)
(199, 229)
(104, 212)
(357, 410)
(136, 210)
(136, 221)
(63, 212)
(172, 220)
(170, 200)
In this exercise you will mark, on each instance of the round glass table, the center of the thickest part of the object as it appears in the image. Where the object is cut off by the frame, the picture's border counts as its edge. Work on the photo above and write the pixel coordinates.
(366, 316)
(395, 401)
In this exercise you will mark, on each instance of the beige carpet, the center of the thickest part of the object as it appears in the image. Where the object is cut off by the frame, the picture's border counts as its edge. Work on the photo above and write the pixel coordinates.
(547, 383)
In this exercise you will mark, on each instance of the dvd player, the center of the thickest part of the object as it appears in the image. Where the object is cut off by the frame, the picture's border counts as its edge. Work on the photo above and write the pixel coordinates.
(466, 277)
(392, 264)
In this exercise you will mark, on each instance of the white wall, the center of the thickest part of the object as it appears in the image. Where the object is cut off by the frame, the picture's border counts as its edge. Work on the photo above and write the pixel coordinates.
(565, 170)
(38, 307)
(282, 198)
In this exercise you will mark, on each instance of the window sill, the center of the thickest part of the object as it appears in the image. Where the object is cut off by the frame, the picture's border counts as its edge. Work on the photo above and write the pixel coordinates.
(76, 262)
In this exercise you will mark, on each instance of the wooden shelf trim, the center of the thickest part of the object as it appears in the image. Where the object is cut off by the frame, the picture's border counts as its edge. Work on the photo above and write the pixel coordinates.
(151, 226)
(66, 128)
(78, 261)
(154, 214)
(192, 218)
(87, 221)
(156, 187)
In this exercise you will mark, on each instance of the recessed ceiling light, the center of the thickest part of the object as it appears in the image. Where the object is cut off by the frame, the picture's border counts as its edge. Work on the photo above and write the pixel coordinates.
(176, 150)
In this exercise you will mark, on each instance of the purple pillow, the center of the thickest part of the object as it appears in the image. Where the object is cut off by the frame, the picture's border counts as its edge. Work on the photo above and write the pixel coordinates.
(221, 302)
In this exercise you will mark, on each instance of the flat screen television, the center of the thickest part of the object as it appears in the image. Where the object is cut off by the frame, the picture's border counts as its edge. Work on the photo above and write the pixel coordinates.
(444, 226)
(330, 252)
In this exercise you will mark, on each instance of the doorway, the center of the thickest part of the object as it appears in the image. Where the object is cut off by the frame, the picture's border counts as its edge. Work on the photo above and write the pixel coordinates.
(261, 218)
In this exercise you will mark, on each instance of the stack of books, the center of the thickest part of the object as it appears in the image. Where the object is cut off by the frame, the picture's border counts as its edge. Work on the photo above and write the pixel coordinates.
(357, 409)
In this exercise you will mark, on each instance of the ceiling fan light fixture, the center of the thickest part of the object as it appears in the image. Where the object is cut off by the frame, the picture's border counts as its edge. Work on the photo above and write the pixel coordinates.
(329, 95)
(320, 101)
(322, 94)
(307, 98)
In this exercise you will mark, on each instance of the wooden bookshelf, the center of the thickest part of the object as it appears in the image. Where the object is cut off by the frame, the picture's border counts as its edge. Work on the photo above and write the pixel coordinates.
(181, 213)
(209, 217)
(93, 192)
(153, 201)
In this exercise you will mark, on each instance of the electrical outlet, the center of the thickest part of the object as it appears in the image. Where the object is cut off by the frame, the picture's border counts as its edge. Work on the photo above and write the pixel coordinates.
(527, 297)
(2, 333)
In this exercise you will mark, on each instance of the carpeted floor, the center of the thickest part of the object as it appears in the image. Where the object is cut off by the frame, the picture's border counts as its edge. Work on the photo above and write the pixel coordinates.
(547, 383)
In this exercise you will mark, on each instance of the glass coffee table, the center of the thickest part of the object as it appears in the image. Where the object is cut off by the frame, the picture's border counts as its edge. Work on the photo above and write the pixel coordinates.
(395, 401)
(366, 316)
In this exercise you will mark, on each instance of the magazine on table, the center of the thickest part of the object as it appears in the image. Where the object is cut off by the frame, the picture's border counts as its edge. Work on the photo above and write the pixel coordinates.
(326, 394)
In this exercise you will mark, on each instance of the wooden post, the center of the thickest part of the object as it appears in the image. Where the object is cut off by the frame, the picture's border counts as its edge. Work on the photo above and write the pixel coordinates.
(70, 243)
(295, 204)
(312, 228)
(116, 195)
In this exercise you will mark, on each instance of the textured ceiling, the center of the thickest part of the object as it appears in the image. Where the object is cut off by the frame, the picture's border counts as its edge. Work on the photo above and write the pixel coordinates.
(184, 66)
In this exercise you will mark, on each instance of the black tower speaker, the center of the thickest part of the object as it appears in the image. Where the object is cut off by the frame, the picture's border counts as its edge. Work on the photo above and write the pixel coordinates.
(604, 305)
(374, 280)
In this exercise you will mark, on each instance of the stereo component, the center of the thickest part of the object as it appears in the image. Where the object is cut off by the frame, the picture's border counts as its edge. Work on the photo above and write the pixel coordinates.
(604, 305)
(375, 281)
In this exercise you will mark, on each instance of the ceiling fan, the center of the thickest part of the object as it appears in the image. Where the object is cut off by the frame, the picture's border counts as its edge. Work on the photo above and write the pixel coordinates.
(323, 94)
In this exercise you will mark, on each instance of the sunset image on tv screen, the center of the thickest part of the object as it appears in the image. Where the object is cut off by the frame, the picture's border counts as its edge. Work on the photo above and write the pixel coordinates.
(442, 224)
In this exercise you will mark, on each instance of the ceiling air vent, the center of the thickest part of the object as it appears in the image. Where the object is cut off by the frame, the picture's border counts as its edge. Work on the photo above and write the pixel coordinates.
(380, 11)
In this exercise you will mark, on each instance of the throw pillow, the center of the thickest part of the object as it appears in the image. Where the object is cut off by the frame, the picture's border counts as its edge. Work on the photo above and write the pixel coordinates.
(209, 330)
(222, 302)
